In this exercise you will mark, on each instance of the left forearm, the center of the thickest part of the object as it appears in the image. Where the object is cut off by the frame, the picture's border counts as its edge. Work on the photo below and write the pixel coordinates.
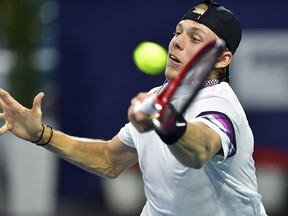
(196, 146)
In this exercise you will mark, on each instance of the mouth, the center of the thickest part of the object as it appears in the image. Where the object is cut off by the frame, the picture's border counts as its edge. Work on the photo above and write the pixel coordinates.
(174, 58)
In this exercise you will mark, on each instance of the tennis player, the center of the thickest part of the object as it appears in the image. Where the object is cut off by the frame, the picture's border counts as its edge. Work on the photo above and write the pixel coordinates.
(203, 168)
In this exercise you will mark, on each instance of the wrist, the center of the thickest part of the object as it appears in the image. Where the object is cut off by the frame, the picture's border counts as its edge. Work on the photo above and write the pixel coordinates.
(40, 135)
(45, 136)
(171, 130)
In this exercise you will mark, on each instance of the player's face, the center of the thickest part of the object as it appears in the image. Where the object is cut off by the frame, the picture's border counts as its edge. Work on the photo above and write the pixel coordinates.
(189, 37)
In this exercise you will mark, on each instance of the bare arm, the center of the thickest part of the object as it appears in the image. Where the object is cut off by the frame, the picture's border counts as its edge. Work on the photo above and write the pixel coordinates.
(198, 144)
(104, 158)
(110, 158)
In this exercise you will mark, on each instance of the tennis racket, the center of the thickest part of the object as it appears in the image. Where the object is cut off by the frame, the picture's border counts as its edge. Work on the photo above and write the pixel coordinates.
(195, 72)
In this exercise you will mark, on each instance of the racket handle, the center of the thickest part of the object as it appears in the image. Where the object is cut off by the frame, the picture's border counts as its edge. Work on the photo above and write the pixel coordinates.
(147, 106)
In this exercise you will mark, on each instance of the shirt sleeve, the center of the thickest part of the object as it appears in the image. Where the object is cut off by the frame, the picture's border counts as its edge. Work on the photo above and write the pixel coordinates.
(222, 125)
(125, 135)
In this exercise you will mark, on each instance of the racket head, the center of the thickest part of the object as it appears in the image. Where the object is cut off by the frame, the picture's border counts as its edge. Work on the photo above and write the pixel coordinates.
(194, 74)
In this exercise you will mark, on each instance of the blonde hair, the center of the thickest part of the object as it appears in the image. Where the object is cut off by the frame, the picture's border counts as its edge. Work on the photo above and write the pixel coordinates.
(202, 7)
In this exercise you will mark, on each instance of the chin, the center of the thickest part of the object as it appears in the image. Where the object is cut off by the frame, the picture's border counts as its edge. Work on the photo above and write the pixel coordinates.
(169, 74)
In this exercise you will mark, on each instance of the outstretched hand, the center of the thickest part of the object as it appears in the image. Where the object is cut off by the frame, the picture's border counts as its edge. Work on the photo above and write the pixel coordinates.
(23, 122)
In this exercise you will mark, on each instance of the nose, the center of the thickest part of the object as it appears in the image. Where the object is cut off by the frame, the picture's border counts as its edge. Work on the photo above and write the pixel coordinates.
(179, 41)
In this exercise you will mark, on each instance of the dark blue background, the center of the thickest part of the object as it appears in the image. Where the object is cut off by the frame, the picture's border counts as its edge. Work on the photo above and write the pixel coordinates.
(97, 76)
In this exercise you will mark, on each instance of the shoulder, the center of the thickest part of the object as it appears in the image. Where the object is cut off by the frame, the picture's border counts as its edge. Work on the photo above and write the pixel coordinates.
(222, 89)
(221, 98)
(218, 99)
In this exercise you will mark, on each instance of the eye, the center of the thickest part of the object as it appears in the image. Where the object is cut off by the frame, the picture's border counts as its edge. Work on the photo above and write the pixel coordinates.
(176, 33)
(196, 39)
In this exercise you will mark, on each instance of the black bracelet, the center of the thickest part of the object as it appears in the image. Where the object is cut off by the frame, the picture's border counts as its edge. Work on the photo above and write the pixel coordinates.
(176, 131)
(51, 134)
(43, 128)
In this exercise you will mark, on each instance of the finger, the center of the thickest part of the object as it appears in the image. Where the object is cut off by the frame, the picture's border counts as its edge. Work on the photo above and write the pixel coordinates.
(137, 106)
(2, 105)
(142, 95)
(2, 91)
(1, 116)
(3, 129)
(133, 100)
(6, 98)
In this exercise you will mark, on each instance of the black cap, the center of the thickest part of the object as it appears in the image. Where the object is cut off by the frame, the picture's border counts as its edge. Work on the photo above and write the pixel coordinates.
(221, 21)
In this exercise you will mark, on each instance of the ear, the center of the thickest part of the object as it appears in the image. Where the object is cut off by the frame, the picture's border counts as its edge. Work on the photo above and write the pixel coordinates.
(224, 60)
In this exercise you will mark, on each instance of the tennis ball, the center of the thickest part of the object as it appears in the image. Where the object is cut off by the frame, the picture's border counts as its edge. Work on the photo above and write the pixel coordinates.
(150, 57)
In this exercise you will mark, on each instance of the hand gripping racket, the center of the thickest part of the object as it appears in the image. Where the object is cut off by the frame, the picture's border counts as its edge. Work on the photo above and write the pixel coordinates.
(196, 72)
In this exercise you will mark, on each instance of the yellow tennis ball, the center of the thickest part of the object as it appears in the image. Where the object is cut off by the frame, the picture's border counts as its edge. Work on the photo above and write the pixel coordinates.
(150, 57)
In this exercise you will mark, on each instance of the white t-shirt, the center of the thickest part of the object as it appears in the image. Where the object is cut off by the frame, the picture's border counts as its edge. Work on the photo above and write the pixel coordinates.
(224, 186)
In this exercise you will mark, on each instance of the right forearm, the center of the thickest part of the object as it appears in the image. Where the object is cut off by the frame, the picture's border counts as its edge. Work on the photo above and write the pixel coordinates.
(88, 154)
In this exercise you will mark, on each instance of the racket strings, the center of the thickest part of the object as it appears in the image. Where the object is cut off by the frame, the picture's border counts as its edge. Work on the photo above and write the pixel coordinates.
(162, 87)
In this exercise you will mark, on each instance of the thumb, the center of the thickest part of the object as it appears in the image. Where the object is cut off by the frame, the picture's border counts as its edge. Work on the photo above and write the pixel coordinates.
(37, 102)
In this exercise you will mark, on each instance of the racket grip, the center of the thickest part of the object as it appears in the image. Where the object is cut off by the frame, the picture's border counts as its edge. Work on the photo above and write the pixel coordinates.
(147, 106)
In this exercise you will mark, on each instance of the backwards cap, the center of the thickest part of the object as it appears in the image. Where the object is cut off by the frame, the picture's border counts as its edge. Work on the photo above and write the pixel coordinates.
(221, 21)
